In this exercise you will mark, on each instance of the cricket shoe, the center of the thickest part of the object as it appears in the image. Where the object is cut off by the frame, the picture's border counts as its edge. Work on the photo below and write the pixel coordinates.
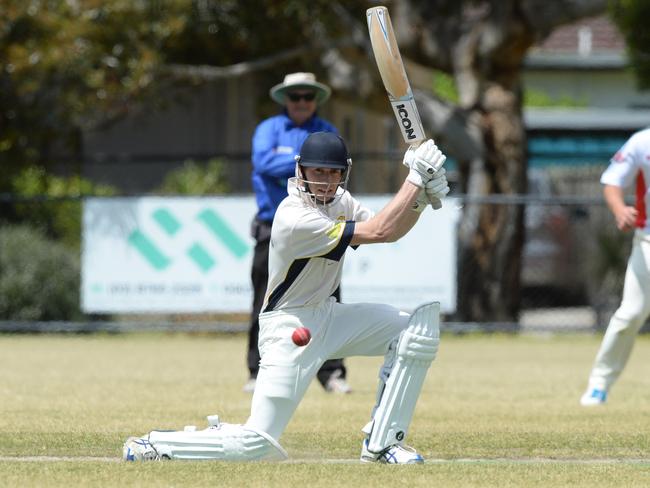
(140, 449)
(336, 384)
(395, 454)
(249, 386)
(593, 397)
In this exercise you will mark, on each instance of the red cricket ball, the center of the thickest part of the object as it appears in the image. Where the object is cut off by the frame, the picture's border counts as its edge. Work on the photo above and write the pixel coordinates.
(301, 336)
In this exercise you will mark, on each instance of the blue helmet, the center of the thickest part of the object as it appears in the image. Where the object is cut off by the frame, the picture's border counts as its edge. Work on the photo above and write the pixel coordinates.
(324, 150)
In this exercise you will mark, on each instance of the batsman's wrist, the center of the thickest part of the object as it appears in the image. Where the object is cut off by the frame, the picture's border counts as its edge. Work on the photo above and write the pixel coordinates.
(416, 178)
(420, 203)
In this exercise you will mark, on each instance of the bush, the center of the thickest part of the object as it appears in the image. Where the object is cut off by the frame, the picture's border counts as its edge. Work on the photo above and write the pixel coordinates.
(60, 211)
(196, 179)
(39, 278)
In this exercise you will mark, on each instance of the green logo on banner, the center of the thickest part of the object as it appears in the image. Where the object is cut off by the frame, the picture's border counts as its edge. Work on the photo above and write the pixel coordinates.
(197, 253)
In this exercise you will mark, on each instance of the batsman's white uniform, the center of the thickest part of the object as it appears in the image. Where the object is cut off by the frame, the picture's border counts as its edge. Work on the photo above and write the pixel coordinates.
(308, 243)
(630, 165)
(305, 264)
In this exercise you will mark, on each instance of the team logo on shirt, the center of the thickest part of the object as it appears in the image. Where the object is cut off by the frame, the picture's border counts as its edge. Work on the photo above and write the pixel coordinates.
(619, 157)
(336, 230)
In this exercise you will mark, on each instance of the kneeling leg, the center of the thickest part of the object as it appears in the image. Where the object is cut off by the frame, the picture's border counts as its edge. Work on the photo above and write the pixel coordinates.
(416, 348)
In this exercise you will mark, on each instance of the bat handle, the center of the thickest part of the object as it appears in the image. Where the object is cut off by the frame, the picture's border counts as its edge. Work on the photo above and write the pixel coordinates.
(436, 203)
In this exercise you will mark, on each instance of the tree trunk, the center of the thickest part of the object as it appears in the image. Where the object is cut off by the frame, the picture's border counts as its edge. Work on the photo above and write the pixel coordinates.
(491, 236)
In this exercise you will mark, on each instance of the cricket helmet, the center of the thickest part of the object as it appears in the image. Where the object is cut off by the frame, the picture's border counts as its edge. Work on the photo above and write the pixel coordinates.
(323, 150)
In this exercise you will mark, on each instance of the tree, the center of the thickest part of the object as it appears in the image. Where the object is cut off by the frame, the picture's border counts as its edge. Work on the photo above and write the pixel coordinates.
(80, 64)
(482, 44)
(631, 17)
(68, 66)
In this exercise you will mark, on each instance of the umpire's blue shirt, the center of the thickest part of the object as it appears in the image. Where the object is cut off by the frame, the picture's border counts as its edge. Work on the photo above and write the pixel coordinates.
(276, 142)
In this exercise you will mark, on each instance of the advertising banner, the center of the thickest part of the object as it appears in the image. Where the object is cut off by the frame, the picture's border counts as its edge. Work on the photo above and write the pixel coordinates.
(194, 255)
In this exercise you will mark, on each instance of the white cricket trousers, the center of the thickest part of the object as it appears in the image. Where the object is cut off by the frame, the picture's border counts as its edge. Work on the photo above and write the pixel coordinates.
(624, 325)
(337, 330)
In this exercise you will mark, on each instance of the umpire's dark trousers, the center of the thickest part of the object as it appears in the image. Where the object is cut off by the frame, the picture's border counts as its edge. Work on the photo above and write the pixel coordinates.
(261, 232)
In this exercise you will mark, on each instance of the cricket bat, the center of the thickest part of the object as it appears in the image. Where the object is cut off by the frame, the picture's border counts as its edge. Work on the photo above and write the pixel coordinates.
(391, 69)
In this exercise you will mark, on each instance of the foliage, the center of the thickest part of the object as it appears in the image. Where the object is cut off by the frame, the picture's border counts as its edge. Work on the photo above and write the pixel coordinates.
(631, 16)
(59, 211)
(195, 179)
(444, 86)
(39, 278)
(536, 98)
(222, 32)
(66, 66)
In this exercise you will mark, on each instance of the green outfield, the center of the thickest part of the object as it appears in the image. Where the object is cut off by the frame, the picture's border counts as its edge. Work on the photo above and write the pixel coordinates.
(495, 411)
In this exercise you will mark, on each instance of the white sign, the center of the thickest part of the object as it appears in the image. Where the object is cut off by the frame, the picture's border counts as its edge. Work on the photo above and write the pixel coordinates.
(419, 268)
(167, 254)
(194, 254)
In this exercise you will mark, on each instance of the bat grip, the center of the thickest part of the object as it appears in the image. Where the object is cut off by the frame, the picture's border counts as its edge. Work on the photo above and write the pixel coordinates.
(436, 203)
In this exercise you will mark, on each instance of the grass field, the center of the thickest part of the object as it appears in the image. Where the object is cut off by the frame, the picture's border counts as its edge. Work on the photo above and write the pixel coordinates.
(495, 411)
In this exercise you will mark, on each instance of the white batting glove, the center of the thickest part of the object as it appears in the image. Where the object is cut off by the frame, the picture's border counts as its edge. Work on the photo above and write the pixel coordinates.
(421, 202)
(433, 193)
(437, 188)
(423, 162)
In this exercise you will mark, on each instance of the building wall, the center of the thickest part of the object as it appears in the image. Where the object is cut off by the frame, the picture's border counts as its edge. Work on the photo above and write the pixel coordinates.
(218, 119)
(594, 88)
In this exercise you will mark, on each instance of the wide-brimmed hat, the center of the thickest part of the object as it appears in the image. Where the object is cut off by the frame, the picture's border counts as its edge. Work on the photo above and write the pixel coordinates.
(297, 81)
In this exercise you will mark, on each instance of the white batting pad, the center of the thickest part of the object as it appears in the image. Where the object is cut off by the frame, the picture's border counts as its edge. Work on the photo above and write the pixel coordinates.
(226, 442)
(416, 349)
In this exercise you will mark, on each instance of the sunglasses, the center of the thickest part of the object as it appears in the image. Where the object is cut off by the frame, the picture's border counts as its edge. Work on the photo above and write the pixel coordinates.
(307, 97)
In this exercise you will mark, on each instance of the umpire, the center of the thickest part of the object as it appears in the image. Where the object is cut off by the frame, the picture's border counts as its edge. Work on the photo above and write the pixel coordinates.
(276, 142)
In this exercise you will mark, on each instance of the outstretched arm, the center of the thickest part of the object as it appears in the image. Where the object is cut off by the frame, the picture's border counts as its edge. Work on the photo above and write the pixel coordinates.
(393, 221)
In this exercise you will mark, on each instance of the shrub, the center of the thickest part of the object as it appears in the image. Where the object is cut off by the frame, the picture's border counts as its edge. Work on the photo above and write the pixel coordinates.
(39, 278)
(196, 179)
(59, 212)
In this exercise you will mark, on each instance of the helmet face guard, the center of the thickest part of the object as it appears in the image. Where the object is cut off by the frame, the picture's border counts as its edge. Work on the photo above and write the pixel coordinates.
(323, 150)
(308, 187)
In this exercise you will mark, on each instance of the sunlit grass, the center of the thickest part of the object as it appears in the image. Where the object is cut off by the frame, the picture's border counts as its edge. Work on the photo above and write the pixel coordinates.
(496, 410)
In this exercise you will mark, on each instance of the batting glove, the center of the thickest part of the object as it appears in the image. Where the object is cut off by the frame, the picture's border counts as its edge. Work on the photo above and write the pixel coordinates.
(423, 162)
(433, 193)
(437, 187)
(421, 202)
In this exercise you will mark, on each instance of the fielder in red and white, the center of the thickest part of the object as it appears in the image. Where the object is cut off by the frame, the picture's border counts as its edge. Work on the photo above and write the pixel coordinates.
(629, 167)
(312, 229)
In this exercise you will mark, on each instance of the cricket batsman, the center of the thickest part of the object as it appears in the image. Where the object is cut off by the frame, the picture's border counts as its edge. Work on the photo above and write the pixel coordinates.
(313, 228)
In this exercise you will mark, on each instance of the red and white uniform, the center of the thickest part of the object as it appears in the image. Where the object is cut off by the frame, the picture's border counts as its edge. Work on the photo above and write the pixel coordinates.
(629, 166)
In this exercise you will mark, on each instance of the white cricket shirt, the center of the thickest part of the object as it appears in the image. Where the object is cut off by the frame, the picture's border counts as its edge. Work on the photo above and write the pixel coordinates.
(308, 243)
(631, 165)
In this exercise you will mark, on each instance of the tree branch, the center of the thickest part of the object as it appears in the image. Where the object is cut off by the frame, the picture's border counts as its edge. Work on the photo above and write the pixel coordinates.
(210, 73)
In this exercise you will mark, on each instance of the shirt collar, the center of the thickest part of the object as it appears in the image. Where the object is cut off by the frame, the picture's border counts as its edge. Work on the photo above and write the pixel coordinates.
(288, 123)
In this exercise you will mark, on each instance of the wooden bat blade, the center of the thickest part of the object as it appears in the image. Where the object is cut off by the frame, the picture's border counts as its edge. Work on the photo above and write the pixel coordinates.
(387, 55)
(391, 69)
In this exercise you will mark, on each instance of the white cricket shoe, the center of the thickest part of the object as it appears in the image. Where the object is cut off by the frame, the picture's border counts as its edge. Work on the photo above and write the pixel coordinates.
(395, 454)
(593, 397)
(249, 386)
(336, 384)
(139, 449)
